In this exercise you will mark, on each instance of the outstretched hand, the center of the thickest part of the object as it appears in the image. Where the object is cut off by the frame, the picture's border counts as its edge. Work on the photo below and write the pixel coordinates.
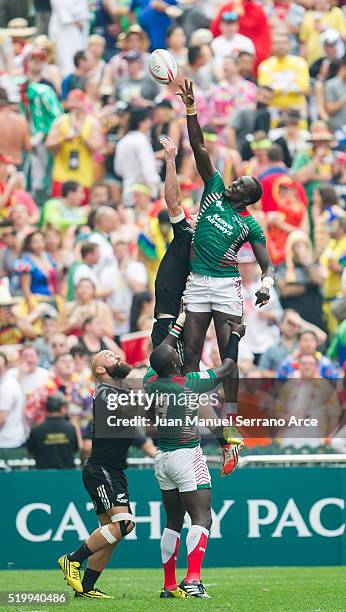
(169, 148)
(186, 93)
(262, 296)
(239, 328)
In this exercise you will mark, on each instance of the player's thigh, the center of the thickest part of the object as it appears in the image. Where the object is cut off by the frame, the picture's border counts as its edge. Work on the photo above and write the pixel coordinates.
(226, 296)
(223, 329)
(104, 519)
(174, 508)
(195, 329)
(197, 296)
(198, 506)
(187, 468)
(107, 488)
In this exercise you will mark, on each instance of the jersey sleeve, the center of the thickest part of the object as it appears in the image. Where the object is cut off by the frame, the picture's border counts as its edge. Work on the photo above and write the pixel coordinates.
(255, 231)
(182, 232)
(150, 373)
(202, 382)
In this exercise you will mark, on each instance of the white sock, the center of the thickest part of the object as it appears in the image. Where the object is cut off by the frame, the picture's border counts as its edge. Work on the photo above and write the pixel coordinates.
(193, 537)
(168, 543)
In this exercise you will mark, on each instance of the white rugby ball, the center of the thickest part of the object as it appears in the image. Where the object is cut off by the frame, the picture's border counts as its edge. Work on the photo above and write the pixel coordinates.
(163, 67)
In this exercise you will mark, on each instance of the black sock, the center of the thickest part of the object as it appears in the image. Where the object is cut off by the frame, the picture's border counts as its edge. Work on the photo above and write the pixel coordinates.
(232, 347)
(89, 579)
(81, 554)
(218, 433)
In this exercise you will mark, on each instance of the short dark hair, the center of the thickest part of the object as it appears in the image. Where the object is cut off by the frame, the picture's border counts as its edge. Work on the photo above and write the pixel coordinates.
(69, 186)
(160, 359)
(256, 192)
(78, 349)
(275, 153)
(55, 401)
(138, 115)
(78, 57)
(87, 248)
(193, 54)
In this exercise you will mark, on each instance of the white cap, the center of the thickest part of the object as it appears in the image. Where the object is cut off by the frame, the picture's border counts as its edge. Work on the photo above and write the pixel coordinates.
(332, 37)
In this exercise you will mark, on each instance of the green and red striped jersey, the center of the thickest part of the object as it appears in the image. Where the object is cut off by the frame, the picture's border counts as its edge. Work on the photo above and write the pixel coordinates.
(176, 400)
(220, 232)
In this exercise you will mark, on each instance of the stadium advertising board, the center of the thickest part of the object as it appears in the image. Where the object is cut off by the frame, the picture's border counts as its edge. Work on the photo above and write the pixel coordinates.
(270, 516)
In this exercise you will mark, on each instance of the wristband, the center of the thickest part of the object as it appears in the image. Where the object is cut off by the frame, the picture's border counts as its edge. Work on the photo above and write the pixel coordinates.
(268, 282)
(176, 330)
(191, 110)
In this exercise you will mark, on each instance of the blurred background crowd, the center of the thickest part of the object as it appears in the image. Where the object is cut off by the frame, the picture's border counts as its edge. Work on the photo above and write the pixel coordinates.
(83, 224)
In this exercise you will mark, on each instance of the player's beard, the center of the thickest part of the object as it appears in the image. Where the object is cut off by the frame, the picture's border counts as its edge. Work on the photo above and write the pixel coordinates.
(120, 370)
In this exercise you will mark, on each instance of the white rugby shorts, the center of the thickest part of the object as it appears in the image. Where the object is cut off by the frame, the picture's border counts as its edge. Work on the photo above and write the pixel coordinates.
(184, 469)
(207, 293)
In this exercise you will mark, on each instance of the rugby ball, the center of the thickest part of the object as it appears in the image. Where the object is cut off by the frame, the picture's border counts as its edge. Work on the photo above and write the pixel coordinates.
(163, 67)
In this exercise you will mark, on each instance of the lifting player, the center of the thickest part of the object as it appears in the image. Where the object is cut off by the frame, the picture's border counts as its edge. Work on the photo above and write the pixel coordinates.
(180, 466)
(105, 480)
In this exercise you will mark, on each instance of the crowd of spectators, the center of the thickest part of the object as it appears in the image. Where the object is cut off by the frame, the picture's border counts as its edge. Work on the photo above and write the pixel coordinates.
(83, 224)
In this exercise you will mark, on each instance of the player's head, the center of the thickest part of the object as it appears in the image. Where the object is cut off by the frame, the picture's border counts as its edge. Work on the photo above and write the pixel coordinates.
(165, 360)
(244, 191)
(107, 364)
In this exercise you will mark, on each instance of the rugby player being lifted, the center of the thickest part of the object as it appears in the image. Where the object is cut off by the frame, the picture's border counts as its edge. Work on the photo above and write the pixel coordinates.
(170, 285)
(214, 288)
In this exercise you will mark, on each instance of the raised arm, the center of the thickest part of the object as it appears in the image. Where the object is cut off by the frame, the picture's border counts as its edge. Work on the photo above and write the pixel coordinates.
(172, 189)
(177, 328)
(203, 162)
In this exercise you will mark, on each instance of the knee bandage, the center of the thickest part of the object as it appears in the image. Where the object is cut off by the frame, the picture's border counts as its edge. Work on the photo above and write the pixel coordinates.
(124, 519)
(106, 532)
